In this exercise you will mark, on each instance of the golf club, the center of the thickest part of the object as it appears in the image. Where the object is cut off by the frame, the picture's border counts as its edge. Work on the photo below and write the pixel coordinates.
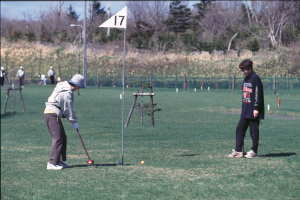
(89, 161)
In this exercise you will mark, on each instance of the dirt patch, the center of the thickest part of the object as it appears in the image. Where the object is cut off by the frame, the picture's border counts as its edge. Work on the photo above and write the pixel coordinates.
(222, 109)
(76, 156)
(233, 111)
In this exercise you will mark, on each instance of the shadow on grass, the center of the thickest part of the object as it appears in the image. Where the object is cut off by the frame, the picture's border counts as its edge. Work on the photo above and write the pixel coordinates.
(98, 165)
(278, 154)
(189, 155)
(7, 114)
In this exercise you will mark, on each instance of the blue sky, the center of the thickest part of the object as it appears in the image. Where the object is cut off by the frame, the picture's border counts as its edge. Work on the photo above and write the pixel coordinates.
(25, 9)
(32, 9)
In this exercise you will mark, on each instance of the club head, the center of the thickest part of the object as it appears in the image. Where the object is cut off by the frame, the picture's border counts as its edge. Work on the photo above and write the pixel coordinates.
(90, 162)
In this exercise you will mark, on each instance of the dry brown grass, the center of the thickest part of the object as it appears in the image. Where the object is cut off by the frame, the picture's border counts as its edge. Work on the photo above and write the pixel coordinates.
(108, 61)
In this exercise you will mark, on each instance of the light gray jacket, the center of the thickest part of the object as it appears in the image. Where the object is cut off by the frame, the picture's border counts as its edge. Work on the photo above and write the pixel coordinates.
(51, 72)
(61, 101)
(20, 73)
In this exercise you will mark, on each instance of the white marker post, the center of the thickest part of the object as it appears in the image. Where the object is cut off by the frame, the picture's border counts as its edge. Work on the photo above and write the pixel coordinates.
(268, 107)
(119, 20)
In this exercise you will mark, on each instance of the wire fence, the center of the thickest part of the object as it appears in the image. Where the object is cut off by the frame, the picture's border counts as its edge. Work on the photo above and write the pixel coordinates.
(272, 83)
(202, 83)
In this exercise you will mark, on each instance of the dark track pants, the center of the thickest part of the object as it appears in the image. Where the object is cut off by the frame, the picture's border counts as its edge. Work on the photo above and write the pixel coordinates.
(21, 81)
(52, 79)
(241, 132)
(59, 138)
(1, 81)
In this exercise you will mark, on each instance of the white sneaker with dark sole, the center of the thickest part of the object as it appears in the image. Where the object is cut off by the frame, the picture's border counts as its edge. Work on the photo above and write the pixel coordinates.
(63, 164)
(51, 166)
(250, 154)
(235, 154)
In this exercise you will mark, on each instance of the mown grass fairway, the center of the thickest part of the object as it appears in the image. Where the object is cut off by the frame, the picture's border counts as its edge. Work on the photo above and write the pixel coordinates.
(184, 154)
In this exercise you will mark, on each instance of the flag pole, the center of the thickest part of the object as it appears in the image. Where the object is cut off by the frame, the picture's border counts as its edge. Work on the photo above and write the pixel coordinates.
(123, 95)
(116, 21)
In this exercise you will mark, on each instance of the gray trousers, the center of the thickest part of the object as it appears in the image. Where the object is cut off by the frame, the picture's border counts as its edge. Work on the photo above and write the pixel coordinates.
(59, 138)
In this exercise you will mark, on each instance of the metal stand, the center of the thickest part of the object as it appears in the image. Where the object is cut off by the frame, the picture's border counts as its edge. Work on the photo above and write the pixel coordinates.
(8, 95)
(150, 106)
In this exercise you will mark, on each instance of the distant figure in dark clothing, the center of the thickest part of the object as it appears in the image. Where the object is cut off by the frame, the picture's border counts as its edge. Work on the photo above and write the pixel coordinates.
(51, 75)
(252, 111)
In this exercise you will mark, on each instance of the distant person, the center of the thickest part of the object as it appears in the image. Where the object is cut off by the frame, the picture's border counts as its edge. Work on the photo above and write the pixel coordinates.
(43, 79)
(251, 113)
(60, 105)
(3, 75)
(51, 75)
(21, 76)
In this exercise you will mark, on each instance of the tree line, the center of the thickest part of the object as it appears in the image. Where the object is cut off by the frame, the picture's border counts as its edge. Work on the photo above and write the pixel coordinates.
(170, 25)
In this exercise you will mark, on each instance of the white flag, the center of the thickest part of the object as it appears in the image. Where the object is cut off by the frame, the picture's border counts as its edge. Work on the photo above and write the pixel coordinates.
(119, 20)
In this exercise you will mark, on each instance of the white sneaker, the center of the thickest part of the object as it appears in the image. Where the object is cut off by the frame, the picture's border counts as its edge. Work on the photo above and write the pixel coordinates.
(250, 154)
(236, 154)
(63, 164)
(54, 167)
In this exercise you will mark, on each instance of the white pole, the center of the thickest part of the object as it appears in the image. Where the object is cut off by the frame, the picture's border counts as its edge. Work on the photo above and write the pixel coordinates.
(84, 47)
(123, 94)
(108, 29)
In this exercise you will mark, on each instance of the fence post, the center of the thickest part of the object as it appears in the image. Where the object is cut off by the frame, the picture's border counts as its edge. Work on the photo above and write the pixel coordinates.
(98, 83)
(274, 84)
(233, 83)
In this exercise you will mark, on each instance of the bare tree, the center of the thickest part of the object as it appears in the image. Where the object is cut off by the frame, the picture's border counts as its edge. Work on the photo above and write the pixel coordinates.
(272, 17)
(148, 16)
(220, 20)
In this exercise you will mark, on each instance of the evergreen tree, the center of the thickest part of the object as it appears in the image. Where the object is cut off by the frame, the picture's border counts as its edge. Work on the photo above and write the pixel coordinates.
(97, 10)
(202, 7)
(97, 16)
(180, 17)
(253, 45)
(141, 37)
(72, 15)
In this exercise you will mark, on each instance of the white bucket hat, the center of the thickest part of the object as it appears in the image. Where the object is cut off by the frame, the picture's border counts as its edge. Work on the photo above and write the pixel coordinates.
(77, 80)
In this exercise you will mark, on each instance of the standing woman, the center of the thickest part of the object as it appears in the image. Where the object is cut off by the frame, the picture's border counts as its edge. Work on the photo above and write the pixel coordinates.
(60, 105)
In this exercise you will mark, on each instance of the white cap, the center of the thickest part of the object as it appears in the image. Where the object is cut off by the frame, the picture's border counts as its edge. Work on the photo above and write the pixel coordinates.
(21, 67)
(2, 68)
(77, 80)
(51, 67)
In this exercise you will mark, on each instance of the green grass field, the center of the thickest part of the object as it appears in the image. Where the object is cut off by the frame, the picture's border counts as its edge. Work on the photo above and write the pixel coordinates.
(184, 154)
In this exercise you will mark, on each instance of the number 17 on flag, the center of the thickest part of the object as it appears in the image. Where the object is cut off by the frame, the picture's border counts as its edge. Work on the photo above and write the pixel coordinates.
(119, 20)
